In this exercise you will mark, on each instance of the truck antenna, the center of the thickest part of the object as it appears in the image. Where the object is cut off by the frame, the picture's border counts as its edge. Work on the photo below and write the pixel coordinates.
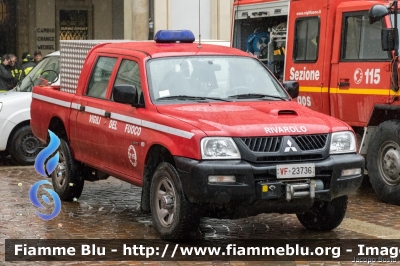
(199, 46)
(396, 53)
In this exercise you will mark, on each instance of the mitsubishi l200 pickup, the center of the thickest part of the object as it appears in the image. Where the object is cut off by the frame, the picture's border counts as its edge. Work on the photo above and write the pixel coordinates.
(205, 130)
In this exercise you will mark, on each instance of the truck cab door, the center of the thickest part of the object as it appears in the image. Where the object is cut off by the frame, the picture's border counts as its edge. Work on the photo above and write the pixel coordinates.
(360, 75)
(307, 51)
(124, 131)
(108, 133)
(93, 111)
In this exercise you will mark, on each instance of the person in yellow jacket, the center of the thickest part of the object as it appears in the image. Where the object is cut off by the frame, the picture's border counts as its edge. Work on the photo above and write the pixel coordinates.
(27, 65)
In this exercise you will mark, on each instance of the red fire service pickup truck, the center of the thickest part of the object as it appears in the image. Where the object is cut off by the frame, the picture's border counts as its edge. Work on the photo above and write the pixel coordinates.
(205, 130)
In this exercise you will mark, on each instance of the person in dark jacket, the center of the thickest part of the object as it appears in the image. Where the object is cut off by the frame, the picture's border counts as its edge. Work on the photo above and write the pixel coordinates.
(5, 75)
(14, 68)
(37, 56)
(27, 65)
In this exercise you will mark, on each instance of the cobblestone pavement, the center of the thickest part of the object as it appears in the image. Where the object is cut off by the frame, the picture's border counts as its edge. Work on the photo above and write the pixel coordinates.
(110, 209)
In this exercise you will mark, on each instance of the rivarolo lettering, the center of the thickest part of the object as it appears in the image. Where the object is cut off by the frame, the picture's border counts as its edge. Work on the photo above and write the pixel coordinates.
(291, 129)
(303, 74)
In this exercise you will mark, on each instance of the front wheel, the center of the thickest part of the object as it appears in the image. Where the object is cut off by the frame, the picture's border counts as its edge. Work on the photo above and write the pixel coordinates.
(324, 215)
(383, 161)
(24, 146)
(67, 178)
(173, 215)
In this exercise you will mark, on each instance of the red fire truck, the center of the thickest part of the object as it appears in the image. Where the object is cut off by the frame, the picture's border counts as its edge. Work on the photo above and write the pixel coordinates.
(343, 67)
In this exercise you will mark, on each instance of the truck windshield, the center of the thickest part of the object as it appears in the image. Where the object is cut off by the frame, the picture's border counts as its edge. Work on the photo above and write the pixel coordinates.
(222, 78)
(31, 80)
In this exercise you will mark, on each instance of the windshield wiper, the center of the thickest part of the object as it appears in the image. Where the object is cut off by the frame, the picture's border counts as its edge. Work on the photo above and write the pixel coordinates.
(256, 95)
(195, 98)
(214, 98)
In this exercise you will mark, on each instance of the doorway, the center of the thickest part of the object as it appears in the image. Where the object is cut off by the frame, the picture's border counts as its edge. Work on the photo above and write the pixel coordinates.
(74, 23)
(8, 27)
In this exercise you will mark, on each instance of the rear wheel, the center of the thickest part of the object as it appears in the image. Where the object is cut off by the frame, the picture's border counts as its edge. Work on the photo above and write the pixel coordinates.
(67, 178)
(383, 161)
(173, 215)
(324, 215)
(24, 146)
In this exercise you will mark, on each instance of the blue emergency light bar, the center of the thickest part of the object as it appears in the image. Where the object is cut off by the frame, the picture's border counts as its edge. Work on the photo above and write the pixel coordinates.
(173, 36)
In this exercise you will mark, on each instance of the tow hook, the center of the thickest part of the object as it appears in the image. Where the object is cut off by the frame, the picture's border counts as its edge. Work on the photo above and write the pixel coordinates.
(300, 190)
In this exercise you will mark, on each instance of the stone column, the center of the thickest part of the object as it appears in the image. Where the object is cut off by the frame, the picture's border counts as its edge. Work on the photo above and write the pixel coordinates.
(26, 27)
(45, 37)
(140, 20)
(161, 15)
(128, 11)
(221, 19)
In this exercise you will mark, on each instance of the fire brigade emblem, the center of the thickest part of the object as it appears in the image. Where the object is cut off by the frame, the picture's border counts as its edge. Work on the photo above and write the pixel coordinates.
(358, 76)
(132, 155)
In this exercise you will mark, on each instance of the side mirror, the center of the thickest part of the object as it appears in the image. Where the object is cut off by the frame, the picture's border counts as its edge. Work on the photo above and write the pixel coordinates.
(377, 12)
(292, 87)
(125, 94)
(389, 39)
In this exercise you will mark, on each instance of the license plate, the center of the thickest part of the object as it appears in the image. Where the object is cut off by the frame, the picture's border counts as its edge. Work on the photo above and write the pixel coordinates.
(295, 170)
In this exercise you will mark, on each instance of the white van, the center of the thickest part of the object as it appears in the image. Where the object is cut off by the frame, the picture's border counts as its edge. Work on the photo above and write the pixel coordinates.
(16, 137)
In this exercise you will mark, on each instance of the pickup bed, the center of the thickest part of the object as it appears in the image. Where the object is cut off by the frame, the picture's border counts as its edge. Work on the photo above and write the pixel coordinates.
(205, 130)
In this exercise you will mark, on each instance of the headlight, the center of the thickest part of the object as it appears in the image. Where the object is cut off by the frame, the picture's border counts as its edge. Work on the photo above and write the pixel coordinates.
(1, 105)
(219, 148)
(342, 142)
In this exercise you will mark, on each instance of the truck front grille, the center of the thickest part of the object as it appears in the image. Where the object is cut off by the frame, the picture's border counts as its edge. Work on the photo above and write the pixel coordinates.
(311, 142)
(273, 144)
(263, 144)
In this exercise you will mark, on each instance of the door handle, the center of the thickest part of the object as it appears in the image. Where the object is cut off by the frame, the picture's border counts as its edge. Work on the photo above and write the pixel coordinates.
(344, 84)
(82, 108)
(107, 114)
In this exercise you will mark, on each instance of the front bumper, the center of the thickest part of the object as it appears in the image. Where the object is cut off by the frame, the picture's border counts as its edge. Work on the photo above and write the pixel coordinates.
(245, 191)
(6, 127)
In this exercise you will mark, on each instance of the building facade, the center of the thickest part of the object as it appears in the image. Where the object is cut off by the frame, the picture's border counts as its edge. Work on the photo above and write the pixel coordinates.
(29, 25)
